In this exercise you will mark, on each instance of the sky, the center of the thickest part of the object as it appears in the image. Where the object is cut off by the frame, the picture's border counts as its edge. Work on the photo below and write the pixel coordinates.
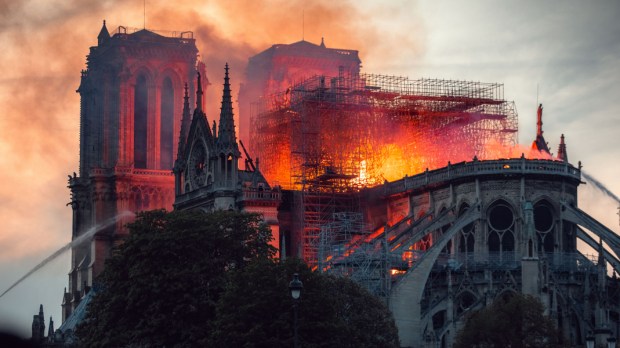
(565, 54)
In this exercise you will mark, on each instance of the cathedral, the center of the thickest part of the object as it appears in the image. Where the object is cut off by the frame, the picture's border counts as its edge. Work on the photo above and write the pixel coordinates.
(435, 246)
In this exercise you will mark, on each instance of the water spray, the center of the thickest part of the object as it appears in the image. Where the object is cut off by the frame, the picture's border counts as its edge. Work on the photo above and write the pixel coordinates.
(76, 242)
(600, 186)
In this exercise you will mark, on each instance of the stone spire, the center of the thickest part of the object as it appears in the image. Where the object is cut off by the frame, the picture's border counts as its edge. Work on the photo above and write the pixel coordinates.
(104, 35)
(540, 144)
(531, 279)
(539, 123)
(226, 139)
(530, 247)
(199, 93)
(50, 331)
(38, 326)
(186, 121)
(562, 155)
(602, 266)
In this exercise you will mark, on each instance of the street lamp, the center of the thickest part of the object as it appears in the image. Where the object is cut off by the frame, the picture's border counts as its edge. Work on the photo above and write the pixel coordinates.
(295, 286)
(590, 341)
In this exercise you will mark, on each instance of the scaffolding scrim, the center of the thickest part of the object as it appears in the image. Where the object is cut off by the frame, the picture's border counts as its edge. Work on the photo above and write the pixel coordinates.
(346, 248)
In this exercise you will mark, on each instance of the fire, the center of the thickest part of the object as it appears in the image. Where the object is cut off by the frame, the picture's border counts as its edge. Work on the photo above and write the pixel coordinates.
(362, 178)
(384, 158)
(342, 134)
(397, 272)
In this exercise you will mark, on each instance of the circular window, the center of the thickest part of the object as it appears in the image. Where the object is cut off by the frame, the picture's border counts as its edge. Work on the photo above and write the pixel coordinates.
(543, 218)
(501, 217)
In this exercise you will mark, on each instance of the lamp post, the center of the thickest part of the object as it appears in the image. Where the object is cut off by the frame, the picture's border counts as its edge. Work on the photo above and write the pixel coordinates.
(295, 286)
(590, 341)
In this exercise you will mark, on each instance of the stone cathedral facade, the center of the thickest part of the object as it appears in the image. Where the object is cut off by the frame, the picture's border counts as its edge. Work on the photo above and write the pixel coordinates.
(130, 117)
(142, 148)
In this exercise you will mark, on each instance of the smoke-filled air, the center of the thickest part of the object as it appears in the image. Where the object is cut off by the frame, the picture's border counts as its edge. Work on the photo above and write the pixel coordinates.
(84, 238)
(49, 41)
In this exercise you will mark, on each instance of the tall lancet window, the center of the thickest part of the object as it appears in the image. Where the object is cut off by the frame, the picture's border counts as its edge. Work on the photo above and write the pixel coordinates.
(167, 124)
(501, 240)
(140, 122)
(545, 226)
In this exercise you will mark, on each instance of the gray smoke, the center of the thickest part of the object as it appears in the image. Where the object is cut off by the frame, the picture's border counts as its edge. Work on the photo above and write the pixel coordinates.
(77, 241)
(600, 186)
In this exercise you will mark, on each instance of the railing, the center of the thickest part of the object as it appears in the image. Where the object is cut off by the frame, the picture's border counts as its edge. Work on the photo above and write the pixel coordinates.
(461, 170)
(124, 30)
(558, 261)
(255, 195)
(484, 260)
(130, 170)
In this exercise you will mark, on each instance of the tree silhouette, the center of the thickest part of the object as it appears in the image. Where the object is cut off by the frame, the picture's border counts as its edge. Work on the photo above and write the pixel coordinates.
(516, 321)
(161, 285)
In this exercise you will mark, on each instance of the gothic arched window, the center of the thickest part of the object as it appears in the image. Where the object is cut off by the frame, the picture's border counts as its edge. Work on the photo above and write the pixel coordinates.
(501, 242)
(467, 239)
(166, 136)
(229, 167)
(544, 224)
(140, 122)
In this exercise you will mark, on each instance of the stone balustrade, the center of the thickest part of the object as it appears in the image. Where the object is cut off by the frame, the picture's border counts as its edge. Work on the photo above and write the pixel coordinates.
(518, 166)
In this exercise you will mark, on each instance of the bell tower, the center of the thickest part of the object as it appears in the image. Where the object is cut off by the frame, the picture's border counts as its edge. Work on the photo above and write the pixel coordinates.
(130, 116)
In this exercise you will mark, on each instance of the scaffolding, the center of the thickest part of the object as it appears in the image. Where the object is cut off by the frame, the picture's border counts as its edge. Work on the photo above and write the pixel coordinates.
(359, 126)
(328, 137)
(347, 248)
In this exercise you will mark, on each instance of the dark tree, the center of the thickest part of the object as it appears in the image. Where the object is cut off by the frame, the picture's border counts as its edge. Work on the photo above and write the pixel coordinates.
(516, 321)
(161, 286)
(256, 310)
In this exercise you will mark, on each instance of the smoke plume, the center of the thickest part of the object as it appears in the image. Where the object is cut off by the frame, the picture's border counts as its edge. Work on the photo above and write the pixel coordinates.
(45, 45)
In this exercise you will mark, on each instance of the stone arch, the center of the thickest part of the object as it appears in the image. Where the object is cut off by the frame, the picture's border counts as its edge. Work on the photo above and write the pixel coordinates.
(171, 73)
(171, 100)
(145, 70)
(506, 293)
(467, 236)
(448, 248)
(142, 83)
(464, 301)
(167, 122)
(229, 166)
(136, 198)
(545, 222)
(439, 319)
(407, 313)
(207, 169)
(501, 220)
(140, 120)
